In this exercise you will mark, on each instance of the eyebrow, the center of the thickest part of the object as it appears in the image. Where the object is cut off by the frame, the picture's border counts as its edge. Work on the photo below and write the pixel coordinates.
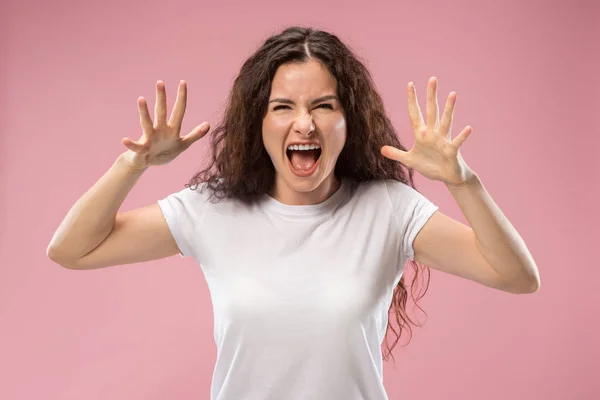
(315, 101)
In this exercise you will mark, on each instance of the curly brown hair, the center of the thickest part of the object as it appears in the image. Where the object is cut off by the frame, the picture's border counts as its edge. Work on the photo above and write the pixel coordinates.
(240, 167)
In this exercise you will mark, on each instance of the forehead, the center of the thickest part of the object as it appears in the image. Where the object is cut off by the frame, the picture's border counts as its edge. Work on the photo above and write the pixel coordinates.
(310, 78)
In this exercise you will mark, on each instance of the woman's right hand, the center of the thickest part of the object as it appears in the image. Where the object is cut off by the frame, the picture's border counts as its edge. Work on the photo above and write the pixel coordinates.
(160, 142)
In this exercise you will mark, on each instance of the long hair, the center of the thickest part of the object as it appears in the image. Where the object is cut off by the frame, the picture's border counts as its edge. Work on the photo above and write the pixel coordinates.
(240, 166)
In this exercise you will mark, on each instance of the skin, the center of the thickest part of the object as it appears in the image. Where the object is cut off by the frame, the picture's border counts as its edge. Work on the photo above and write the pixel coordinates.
(490, 251)
(298, 112)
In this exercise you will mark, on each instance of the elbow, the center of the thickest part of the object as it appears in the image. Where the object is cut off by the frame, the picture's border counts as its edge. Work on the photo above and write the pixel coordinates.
(535, 284)
(527, 285)
(524, 280)
(57, 257)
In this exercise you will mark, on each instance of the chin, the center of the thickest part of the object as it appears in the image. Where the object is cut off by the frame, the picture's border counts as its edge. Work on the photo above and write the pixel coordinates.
(303, 184)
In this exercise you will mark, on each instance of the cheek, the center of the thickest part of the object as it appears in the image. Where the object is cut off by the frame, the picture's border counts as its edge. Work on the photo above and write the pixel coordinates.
(338, 134)
(272, 137)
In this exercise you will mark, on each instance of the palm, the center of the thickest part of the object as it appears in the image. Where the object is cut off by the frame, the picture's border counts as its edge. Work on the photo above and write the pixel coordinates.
(160, 151)
(434, 157)
(160, 142)
(434, 154)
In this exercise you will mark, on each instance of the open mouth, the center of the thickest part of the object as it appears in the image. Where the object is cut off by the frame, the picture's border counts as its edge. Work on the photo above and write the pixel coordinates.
(303, 158)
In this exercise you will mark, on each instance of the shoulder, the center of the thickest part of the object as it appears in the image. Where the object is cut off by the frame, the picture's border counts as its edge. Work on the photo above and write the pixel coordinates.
(191, 201)
(196, 195)
(200, 200)
(404, 201)
(392, 190)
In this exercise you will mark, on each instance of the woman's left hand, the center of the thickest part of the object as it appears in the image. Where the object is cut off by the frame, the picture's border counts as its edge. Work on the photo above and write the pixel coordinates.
(435, 154)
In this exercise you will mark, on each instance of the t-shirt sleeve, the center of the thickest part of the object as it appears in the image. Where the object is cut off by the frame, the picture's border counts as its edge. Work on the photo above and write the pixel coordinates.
(183, 211)
(411, 210)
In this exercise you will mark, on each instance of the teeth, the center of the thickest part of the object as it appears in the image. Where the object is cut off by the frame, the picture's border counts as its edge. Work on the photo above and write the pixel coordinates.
(303, 147)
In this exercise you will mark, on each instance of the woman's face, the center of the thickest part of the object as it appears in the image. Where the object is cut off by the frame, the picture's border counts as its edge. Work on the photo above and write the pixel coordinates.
(304, 131)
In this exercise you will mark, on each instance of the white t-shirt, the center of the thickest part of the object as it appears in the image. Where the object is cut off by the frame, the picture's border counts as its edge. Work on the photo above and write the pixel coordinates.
(300, 293)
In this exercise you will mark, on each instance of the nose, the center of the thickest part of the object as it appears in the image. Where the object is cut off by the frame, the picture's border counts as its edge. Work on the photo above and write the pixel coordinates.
(304, 124)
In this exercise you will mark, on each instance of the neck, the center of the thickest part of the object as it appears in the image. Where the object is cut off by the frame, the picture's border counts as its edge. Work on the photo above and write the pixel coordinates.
(285, 194)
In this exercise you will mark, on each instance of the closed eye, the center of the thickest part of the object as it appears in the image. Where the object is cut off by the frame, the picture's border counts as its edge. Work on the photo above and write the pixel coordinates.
(326, 106)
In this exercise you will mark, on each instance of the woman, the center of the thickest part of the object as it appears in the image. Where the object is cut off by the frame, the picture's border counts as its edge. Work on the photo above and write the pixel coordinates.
(303, 221)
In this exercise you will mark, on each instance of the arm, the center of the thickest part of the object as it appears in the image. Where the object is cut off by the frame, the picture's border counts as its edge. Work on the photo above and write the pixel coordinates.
(490, 252)
(92, 234)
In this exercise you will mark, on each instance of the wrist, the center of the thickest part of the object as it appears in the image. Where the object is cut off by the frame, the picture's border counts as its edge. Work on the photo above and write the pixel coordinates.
(471, 181)
(125, 161)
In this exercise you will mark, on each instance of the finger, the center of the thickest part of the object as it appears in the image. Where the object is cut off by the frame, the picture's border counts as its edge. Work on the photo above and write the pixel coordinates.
(460, 139)
(446, 123)
(145, 119)
(395, 154)
(131, 145)
(433, 116)
(197, 133)
(179, 107)
(160, 106)
(414, 111)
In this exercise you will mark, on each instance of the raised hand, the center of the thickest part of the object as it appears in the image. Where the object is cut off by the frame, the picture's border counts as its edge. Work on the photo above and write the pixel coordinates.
(160, 142)
(435, 154)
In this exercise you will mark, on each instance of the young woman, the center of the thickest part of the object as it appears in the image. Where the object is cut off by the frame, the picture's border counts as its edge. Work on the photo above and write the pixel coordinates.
(303, 220)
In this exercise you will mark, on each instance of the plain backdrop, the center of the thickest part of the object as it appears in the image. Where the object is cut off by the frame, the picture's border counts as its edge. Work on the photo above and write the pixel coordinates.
(526, 74)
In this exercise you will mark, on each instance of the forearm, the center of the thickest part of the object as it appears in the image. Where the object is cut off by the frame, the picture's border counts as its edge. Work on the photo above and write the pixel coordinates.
(499, 242)
(92, 217)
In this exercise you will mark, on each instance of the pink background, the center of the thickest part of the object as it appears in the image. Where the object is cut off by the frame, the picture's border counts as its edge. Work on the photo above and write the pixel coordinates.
(527, 78)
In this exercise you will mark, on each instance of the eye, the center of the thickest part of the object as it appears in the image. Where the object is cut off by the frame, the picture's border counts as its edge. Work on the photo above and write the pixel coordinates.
(326, 105)
(279, 107)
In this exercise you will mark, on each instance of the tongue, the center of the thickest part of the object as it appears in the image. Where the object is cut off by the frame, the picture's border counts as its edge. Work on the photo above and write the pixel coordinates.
(303, 160)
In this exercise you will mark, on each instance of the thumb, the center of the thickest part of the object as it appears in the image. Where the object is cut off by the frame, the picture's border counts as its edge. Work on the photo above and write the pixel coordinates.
(134, 146)
(395, 154)
(197, 133)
